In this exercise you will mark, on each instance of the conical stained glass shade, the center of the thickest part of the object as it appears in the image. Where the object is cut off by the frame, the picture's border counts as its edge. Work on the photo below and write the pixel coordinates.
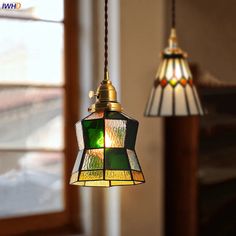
(173, 92)
(107, 154)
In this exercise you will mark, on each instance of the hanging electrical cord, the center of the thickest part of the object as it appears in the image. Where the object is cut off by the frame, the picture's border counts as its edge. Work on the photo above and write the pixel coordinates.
(106, 42)
(173, 14)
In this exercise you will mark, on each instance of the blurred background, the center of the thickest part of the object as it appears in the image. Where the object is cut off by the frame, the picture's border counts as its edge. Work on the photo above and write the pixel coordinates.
(51, 55)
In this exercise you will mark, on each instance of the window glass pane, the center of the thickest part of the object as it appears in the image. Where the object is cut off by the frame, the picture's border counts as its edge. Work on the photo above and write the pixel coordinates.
(31, 118)
(31, 53)
(30, 183)
(36, 9)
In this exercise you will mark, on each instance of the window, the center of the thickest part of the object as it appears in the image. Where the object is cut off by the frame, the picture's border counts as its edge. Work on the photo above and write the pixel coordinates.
(38, 110)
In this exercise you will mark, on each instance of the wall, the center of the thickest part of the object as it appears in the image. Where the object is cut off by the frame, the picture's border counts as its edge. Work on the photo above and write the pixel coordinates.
(141, 42)
(207, 32)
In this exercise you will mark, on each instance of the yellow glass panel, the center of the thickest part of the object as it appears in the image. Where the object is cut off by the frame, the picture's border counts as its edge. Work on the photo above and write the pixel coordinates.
(117, 183)
(115, 131)
(102, 183)
(118, 175)
(137, 176)
(74, 177)
(91, 175)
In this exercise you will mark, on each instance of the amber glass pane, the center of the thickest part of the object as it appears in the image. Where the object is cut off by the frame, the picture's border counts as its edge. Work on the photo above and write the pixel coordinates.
(93, 133)
(31, 118)
(95, 115)
(39, 9)
(30, 183)
(137, 176)
(115, 131)
(93, 159)
(31, 53)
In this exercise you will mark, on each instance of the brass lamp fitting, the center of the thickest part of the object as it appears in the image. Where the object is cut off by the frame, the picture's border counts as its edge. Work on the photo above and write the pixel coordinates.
(106, 97)
(173, 47)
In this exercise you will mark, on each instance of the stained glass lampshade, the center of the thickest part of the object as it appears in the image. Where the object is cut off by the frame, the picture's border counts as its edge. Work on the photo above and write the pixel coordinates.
(173, 92)
(106, 151)
(106, 139)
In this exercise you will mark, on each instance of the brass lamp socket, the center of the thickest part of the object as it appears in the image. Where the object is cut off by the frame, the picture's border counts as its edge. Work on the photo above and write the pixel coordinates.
(106, 97)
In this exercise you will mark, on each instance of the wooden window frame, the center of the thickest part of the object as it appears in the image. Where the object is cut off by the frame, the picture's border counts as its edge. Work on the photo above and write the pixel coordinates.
(66, 221)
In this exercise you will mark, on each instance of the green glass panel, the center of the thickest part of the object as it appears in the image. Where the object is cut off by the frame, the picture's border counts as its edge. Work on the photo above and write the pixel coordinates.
(131, 133)
(114, 115)
(93, 133)
(116, 159)
(93, 159)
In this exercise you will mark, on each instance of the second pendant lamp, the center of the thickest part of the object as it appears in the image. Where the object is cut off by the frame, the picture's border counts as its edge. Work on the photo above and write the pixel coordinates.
(173, 92)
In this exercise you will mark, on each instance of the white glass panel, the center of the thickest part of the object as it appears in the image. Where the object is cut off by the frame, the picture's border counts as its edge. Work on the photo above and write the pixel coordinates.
(30, 183)
(35, 9)
(180, 101)
(158, 71)
(188, 69)
(133, 160)
(178, 72)
(163, 68)
(31, 53)
(31, 118)
(79, 134)
(156, 102)
(186, 75)
(167, 102)
(191, 100)
(149, 101)
(77, 162)
(185, 72)
(170, 69)
(198, 100)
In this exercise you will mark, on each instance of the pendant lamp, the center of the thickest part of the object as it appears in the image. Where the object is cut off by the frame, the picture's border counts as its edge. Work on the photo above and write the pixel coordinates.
(173, 92)
(106, 139)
